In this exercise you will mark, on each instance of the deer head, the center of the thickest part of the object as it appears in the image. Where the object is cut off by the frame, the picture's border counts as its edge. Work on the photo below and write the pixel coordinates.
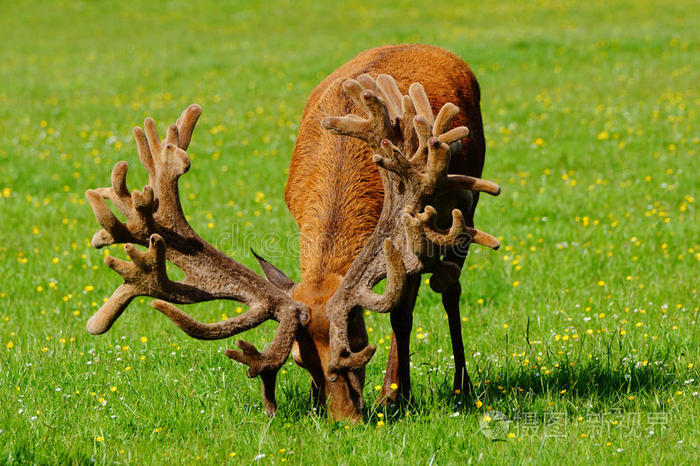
(412, 149)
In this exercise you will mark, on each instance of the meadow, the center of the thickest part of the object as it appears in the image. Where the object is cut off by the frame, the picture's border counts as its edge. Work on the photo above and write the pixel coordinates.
(581, 332)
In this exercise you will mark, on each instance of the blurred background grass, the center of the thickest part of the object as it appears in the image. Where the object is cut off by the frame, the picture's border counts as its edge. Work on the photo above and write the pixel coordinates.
(591, 122)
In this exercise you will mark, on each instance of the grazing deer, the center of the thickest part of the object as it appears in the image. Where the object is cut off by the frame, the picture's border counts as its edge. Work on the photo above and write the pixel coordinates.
(390, 195)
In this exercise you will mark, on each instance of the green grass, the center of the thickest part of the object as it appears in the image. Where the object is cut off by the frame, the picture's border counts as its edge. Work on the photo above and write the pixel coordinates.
(589, 310)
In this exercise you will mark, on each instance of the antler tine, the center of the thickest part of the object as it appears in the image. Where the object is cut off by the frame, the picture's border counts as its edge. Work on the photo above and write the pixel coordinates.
(113, 229)
(378, 124)
(390, 93)
(367, 82)
(441, 238)
(392, 159)
(423, 130)
(354, 89)
(473, 184)
(395, 281)
(437, 163)
(458, 233)
(454, 135)
(421, 102)
(447, 113)
(214, 331)
(185, 125)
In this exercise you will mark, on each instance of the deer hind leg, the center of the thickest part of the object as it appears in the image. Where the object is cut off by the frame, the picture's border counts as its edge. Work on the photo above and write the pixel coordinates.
(397, 381)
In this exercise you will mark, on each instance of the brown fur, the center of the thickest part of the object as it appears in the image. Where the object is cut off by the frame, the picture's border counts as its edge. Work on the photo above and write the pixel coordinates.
(335, 193)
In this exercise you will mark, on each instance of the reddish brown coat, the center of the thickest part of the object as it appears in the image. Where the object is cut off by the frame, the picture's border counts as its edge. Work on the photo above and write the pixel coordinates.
(334, 190)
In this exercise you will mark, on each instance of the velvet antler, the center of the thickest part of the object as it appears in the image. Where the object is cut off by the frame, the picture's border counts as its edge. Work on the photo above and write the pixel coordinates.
(154, 218)
(412, 148)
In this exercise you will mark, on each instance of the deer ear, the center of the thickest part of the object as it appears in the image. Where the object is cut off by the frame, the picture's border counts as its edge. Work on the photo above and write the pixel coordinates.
(274, 275)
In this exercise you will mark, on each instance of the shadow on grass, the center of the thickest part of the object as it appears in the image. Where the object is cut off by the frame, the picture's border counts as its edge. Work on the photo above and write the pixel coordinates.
(591, 384)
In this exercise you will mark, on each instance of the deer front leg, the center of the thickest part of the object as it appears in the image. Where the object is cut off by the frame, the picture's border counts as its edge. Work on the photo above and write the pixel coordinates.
(397, 381)
(450, 301)
(391, 378)
(450, 289)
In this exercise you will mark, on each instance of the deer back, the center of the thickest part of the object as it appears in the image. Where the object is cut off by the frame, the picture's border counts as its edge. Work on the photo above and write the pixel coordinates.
(334, 190)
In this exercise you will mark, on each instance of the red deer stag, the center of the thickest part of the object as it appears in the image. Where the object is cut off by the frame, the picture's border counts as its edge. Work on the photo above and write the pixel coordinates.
(390, 194)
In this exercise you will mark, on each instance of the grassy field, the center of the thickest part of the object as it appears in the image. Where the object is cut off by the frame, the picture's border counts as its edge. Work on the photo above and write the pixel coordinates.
(581, 331)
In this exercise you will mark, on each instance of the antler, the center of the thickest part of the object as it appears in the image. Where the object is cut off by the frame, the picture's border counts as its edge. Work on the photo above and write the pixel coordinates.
(413, 149)
(154, 218)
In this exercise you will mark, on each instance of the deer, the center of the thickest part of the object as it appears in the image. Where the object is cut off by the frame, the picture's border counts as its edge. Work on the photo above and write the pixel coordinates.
(383, 184)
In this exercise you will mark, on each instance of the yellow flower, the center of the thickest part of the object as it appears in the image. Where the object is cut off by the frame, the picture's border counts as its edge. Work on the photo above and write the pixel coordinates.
(487, 418)
(511, 435)
(113, 388)
(10, 344)
(603, 135)
(394, 386)
(478, 404)
(601, 283)
(99, 438)
(516, 283)
(144, 339)
(380, 423)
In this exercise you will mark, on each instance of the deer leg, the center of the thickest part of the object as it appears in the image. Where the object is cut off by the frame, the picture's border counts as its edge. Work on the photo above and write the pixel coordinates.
(391, 379)
(397, 381)
(450, 301)
(268, 379)
(318, 397)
